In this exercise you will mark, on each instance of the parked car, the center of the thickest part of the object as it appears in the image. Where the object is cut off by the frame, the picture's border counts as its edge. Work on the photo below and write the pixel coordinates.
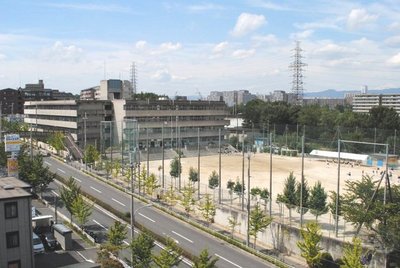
(49, 240)
(37, 244)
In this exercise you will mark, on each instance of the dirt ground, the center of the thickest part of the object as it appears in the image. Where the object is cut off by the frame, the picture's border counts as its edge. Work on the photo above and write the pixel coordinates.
(314, 170)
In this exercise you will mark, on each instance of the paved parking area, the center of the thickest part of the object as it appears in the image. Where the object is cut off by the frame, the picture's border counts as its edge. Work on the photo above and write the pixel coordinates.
(81, 252)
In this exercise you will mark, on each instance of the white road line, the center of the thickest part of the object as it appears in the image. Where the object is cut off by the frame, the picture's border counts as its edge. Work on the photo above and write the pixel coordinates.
(118, 202)
(61, 170)
(219, 256)
(144, 216)
(187, 239)
(95, 189)
(47, 163)
(126, 243)
(83, 257)
(76, 179)
(99, 224)
(54, 192)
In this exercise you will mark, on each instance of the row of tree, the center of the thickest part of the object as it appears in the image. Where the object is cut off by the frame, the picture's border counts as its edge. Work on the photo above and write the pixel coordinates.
(142, 253)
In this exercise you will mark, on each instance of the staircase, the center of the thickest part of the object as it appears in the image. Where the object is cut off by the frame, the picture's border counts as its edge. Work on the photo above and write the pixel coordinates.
(73, 149)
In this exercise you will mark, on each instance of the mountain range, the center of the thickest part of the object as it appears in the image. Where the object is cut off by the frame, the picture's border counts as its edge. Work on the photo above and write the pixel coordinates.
(332, 93)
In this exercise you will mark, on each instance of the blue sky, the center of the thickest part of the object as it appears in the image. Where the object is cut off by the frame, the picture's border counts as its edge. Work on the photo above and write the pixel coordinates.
(190, 47)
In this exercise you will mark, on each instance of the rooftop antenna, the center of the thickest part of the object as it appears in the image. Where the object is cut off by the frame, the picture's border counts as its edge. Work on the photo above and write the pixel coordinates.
(297, 67)
(133, 79)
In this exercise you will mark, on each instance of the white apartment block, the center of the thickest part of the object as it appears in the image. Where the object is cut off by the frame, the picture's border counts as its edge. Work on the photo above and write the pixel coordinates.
(362, 103)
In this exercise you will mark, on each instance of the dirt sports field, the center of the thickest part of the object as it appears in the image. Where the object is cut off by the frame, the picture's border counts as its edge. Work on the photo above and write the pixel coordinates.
(314, 170)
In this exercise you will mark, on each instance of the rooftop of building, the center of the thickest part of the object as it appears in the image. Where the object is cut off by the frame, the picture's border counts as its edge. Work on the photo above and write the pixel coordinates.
(11, 187)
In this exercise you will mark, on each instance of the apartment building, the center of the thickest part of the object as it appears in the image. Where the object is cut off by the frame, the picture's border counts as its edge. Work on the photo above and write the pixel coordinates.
(362, 103)
(15, 224)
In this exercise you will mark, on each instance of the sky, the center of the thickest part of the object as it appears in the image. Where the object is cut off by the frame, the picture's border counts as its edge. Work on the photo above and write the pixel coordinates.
(184, 47)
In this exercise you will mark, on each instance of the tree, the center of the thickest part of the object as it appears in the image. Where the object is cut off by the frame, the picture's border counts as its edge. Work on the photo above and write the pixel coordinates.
(56, 140)
(3, 155)
(69, 193)
(116, 235)
(169, 256)
(305, 196)
(81, 210)
(230, 185)
(317, 202)
(187, 197)
(204, 260)
(357, 198)
(150, 184)
(254, 192)
(352, 255)
(175, 168)
(106, 259)
(332, 205)
(91, 154)
(233, 222)
(108, 165)
(34, 172)
(141, 248)
(116, 168)
(213, 180)
(239, 188)
(289, 194)
(258, 222)
(170, 196)
(208, 209)
(193, 174)
(309, 247)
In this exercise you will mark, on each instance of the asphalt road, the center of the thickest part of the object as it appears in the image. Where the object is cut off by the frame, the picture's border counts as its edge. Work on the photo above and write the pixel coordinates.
(188, 237)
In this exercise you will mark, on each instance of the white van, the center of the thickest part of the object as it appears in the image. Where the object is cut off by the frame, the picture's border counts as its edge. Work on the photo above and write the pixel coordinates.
(37, 244)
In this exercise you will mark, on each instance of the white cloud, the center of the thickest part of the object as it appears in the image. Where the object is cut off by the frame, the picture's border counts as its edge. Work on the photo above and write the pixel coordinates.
(2, 56)
(141, 44)
(167, 47)
(243, 53)
(61, 52)
(359, 18)
(393, 41)
(302, 35)
(394, 60)
(271, 6)
(395, 26)
(334, 50)
(162, 76)
(247, 23)
(220, 47)
(269, 39)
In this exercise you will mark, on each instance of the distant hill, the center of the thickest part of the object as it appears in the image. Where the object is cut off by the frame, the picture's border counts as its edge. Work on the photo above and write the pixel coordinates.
(332, 93)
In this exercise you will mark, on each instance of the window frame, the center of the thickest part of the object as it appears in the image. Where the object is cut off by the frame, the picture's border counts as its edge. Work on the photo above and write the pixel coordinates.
(9, 236)
(14, 262)
(7, 207)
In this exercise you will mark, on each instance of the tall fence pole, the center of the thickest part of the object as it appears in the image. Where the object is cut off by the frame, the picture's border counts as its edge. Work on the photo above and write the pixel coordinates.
(270, 174)
(219, 168)
(198, 163)
(337, 194)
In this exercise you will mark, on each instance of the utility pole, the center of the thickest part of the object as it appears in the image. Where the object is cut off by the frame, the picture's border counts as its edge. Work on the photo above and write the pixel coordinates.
(162, 163)
(248, 200)
(84, 138)
(132, 205)
(270, 174)
(198, 163)
(219, 168)
(243, 170)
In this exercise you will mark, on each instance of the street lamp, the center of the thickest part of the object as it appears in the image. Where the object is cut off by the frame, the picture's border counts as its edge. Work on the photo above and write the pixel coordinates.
(84, 138)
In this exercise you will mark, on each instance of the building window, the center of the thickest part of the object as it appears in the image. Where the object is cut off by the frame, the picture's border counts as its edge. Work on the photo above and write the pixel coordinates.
(14, 264)
(11, 210)
(12, 239)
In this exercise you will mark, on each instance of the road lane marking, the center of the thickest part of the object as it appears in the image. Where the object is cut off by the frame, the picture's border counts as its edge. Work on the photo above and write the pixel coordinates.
(61, 170)
(99, 224)
(219, 256)
(95, 189)
(54, 192)
(144, 216)
(76, 179)
(47, 163)
(118, 202)
(187, 239)
(126, 243)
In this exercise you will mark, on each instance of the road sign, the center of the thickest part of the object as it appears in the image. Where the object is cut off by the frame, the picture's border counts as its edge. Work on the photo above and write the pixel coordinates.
(12, 142)
(12, 167)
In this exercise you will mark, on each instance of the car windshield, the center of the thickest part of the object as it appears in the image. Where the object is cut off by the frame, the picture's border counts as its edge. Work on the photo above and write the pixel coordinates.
(36, 241)
(49, 236)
